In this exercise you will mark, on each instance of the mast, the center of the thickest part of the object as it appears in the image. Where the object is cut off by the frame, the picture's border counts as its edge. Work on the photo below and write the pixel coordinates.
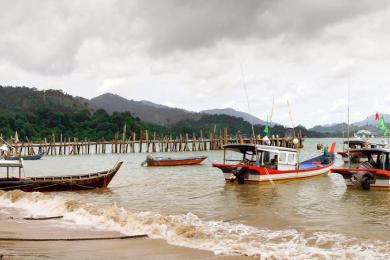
(270, 118)
(349, 155)
(247, 100)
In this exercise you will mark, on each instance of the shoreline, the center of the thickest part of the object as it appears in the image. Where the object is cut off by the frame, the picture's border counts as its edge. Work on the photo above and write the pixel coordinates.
(132, 248)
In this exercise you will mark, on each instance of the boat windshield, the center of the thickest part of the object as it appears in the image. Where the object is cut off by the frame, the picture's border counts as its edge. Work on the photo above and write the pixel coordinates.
(379, 160)
(244, 157)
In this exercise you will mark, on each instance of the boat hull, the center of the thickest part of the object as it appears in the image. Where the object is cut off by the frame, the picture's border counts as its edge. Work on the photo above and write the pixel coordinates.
(61, 183)
(381, 178)
(260, 175)
(175, 162)
(27, 157)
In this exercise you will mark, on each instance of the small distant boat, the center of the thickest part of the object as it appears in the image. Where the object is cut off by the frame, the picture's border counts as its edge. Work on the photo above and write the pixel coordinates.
(374, 172)
(56, 183)
(255, 163)
(37, 156)
(168, 161)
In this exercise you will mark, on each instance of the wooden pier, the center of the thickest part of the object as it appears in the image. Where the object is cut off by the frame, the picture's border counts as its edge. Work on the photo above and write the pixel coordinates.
(146, 144)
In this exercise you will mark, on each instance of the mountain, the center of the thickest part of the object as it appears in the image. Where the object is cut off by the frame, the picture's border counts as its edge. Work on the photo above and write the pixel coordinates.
(145, 110)
(30, 99)
(367, 124)
(332, 128)
(371, 120)
(231, 112)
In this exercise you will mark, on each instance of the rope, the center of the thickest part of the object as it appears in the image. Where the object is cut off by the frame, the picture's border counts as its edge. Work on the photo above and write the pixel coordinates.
(269, 178)
(70, 239)
(204, 195)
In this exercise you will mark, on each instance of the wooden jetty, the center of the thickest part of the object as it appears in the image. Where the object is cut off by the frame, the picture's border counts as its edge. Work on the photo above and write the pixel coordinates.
(144, 142)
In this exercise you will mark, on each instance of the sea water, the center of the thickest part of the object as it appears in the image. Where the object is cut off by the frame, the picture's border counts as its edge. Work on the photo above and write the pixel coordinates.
(192, 206)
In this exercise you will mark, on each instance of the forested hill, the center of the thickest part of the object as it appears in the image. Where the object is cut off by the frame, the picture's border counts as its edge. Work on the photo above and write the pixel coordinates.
(38, 114)
(23, 99)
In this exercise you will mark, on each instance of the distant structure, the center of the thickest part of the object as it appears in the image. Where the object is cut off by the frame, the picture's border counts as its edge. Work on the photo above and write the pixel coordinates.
(364, 134)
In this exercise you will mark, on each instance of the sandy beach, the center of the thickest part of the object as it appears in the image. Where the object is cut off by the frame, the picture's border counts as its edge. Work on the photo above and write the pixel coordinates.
(133, 248)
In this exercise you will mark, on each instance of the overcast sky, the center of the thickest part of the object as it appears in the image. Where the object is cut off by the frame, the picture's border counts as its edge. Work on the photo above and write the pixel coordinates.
(188, 54)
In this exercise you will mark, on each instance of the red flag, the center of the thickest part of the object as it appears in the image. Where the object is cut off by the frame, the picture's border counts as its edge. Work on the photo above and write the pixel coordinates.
(377, 116)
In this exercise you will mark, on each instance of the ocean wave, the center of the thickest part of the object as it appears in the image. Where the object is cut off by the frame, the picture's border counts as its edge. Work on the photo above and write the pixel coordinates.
(190, 231)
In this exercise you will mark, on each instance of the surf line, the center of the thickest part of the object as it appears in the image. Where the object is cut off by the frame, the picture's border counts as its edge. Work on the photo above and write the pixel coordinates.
(70, 239)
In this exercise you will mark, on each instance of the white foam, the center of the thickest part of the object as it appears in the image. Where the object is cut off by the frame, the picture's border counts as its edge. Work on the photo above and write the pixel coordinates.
(190, 231)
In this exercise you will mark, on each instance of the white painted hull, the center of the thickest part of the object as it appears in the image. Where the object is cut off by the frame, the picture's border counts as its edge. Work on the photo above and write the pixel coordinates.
(296, 175)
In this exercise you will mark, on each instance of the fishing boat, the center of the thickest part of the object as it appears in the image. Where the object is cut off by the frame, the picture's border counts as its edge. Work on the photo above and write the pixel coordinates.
(168, 161)
(351, 149)
(372, 173)
(37, 156)
(56, 183)
(266, 164)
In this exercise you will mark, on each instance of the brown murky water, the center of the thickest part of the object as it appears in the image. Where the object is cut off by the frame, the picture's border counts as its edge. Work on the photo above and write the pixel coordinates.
(192, 206)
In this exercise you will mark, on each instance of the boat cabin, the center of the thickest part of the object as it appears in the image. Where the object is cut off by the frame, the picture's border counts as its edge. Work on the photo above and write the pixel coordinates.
(11, 164)
(279, 158)
(355, 143)
(377, 158)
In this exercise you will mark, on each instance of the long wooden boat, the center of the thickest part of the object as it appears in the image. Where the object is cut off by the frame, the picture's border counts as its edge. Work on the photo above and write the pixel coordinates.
(168, 161)
(372, 173)
(37, 156)
(60, 183)
(266, 164)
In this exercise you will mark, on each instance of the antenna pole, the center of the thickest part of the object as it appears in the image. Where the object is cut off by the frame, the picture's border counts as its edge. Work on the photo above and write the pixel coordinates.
(247, 99)
(270, 118)
(349, 157)
(292, 122)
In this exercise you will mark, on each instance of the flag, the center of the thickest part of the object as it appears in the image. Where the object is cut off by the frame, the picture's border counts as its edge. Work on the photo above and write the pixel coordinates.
(383, 125)
(266, 127)
(377, 116)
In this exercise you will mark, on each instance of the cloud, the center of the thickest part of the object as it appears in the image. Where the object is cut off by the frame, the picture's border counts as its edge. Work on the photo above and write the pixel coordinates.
(188, 53)
(173, 25)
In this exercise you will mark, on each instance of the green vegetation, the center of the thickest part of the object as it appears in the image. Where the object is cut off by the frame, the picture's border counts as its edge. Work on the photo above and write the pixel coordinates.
(39, 114)
(81, 124)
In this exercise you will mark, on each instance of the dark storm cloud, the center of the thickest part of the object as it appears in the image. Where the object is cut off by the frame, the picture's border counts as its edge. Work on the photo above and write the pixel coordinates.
(186, 25)
(47, 36)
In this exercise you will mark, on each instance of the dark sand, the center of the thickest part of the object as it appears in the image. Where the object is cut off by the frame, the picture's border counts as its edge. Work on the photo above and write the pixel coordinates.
(134, 248)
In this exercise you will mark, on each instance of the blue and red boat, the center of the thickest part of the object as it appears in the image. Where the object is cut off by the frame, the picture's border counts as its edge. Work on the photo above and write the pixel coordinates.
(255, 163)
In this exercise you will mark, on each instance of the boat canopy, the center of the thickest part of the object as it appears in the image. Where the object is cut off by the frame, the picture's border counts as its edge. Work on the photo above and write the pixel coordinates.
(371, 150)
(281, 158)
(244, 148)
(355, 141)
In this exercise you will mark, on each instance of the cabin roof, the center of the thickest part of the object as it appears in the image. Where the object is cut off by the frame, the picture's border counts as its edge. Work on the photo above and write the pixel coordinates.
(242, 148)
(355, 140)
(371, 150)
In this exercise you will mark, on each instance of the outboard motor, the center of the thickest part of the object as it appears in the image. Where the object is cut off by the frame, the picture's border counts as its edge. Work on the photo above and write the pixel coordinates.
(148, 158)
(240, 174)
(363, 179)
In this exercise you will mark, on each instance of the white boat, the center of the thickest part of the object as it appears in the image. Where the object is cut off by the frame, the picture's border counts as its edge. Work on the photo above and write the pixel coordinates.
(266, 164)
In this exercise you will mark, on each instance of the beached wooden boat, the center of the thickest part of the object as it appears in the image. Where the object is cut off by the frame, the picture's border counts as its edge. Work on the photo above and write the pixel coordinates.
(37, 156)
(268, 164)
(57, 183)
(374, 172)
(168, 161)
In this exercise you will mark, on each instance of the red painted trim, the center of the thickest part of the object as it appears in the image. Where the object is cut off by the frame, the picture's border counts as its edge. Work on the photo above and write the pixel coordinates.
(381, 187)
(376, 171)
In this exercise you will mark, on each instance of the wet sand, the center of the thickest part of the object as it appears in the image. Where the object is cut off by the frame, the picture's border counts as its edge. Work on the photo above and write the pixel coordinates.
(133, 248)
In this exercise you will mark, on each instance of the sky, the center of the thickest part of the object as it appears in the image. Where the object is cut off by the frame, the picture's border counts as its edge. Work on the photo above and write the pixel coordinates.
(201, 55)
